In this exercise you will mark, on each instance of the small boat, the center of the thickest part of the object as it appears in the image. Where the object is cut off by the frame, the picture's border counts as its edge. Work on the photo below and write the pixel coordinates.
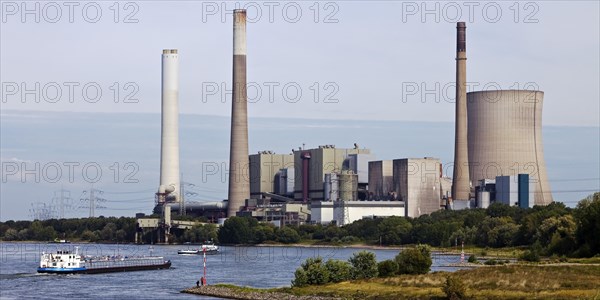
(65, 262)
(207, 247)
(57, 241)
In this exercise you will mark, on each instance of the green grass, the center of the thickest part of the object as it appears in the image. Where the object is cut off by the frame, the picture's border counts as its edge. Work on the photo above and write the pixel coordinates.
(499, 282)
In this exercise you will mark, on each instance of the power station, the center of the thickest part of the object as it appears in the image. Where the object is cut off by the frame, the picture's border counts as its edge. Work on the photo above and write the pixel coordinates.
(498, 157)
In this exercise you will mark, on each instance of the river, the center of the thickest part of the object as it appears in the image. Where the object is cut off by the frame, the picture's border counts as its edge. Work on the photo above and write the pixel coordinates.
(262, 267)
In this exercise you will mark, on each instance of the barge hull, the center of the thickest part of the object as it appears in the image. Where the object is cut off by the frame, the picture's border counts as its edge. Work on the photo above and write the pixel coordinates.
(105, 270)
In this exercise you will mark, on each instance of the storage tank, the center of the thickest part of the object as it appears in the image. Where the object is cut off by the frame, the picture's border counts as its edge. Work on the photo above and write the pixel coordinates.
(348, 186)
(331, 187)
(505, 137)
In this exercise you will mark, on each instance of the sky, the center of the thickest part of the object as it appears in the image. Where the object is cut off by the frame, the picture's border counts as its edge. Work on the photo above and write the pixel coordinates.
(81, 83)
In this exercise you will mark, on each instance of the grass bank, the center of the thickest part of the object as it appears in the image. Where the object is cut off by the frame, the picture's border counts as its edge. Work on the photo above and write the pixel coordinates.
(537, 281)
(499, 282)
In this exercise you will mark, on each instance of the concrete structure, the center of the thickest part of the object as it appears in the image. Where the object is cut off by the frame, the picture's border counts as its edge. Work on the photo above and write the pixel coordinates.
(168, 190)
(313, 164)
(460, 187)
(239, 186)
(346, 212)
(264, 168)
(321, 212)
(515, 190)
(505, 137)
(286, 213)
(417, 183)
(359, 164)
(381, 180)
(348, 185)
(284, 181)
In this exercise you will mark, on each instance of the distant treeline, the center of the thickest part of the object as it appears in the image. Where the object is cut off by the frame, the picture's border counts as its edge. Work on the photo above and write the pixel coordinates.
(553, 229)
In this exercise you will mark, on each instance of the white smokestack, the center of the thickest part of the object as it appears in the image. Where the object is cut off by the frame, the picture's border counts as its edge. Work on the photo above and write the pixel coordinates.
(169, 148)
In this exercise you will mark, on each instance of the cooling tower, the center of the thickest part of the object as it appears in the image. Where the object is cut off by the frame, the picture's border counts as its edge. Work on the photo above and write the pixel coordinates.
(505, 137)
(169, 147)
(239, 185)
(460, 179)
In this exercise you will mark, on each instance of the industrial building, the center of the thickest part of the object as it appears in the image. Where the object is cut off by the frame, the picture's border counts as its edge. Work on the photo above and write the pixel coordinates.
(505, 138)
(269, 174)
(417, 182)
(278, 213)
(312, 165)
(381, 180)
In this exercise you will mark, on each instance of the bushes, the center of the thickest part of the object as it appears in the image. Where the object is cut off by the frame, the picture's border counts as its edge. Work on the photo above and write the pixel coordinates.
(338, 270)
(312, 271)
(472, 259)
(387, 268)
(533, 254)
(364, 265)
(414, 260)
(454, 288)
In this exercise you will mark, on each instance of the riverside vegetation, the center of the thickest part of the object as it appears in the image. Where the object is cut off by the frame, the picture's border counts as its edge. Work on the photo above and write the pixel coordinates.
(553, 230)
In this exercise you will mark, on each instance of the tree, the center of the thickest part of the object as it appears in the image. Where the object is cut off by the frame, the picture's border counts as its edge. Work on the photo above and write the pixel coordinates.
(587, 216)
(11, 235)
(238, 230)
(497, 231)
(109, 231)
(387, 268)
(364, 265)
(312, 271)
(338, 270)
(415, 260)
(287, 235)
(558, 233)
(454, 288)
(394, 230)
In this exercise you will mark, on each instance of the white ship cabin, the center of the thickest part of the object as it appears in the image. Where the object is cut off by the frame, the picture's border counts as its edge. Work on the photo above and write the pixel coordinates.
(62, 259)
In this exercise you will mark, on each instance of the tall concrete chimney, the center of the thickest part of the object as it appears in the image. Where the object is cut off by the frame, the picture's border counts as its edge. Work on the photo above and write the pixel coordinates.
(460, 178)
(239, 185)
(169, 146)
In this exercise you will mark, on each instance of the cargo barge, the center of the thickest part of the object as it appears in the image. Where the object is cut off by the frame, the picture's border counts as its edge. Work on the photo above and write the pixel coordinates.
(65, 262)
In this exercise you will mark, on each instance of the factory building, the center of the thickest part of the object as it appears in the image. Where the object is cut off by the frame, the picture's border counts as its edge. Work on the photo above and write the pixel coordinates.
(381, 180)
(417, 182)
(278, 213)
(515, 190)
(505, 138)
(312, 165)
(269, 173)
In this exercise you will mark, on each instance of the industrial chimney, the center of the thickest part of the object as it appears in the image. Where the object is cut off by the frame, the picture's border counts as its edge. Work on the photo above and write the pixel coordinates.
(239, 185)
(460, 178)
(169, 147)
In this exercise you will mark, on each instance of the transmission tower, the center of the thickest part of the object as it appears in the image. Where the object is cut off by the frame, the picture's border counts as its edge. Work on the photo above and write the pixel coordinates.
(62, 200)
(92, 200)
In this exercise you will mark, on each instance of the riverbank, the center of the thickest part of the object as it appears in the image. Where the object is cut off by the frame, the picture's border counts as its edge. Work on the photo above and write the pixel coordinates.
(244, 293)
(523, 281)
